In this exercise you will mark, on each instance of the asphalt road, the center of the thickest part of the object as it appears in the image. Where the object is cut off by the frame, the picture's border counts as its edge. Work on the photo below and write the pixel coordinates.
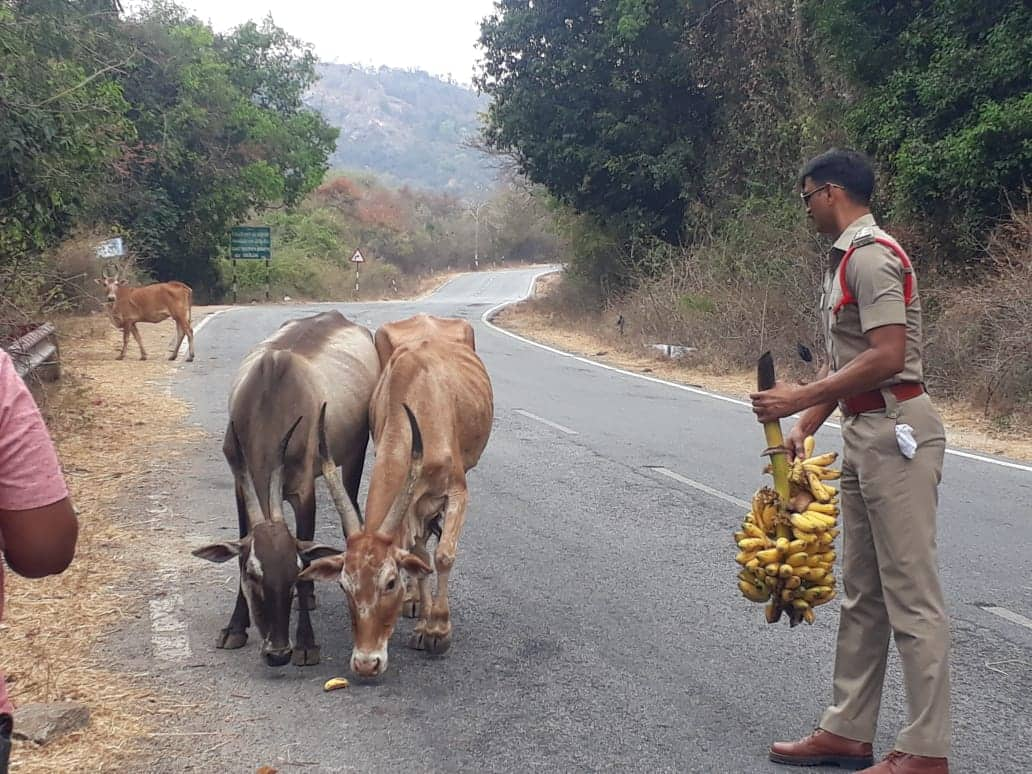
(597, 622)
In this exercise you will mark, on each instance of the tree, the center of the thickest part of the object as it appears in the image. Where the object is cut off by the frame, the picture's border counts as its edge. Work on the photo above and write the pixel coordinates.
(62, 118)
(598, 103)
(222, 132)
(944, 104)
(774, 96)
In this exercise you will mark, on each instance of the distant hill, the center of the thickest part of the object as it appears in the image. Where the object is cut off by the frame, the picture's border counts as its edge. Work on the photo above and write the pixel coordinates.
(405, 126)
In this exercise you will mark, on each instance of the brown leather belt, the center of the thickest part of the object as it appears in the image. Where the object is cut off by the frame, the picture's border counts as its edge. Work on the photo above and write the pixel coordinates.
(873, 400)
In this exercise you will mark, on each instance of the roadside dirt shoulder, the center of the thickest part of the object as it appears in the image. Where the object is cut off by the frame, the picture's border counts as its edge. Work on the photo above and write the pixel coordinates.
(116, 430)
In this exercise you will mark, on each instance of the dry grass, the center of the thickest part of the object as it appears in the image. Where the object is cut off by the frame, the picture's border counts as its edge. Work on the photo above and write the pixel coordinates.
(110, 422)
(979, 343)
(550, 320)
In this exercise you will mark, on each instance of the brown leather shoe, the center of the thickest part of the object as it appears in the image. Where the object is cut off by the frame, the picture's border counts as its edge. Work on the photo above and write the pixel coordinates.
(897, 762)
(823, 748)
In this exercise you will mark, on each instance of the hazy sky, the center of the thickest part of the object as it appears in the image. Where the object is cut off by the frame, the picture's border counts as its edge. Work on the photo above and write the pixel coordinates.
(438, 36)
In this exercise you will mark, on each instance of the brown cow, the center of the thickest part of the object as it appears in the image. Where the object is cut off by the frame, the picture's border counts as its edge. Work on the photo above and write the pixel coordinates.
(430, 417)
(151, 303)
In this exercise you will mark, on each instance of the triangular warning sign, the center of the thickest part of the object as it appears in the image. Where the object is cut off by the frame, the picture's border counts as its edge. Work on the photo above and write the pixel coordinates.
(357, 257)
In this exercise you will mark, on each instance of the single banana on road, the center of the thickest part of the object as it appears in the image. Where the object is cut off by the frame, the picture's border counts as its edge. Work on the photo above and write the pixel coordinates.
(786, 544)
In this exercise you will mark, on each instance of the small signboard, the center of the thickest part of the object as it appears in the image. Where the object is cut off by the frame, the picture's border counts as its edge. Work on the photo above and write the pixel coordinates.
(111, 248)
(357, 257)
(250, 242)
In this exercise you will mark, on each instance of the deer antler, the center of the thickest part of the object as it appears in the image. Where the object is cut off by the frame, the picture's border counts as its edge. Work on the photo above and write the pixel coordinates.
(123, 268)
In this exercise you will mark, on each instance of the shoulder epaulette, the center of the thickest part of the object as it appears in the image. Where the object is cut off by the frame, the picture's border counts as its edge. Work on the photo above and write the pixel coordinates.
(864, 236)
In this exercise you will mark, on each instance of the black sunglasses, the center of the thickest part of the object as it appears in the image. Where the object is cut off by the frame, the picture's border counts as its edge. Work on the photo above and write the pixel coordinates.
(805, 196)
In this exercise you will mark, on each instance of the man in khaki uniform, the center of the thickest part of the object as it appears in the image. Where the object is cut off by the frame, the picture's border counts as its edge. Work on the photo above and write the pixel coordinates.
(893, 452)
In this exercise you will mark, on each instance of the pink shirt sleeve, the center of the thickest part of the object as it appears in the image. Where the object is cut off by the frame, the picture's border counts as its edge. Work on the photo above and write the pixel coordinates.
(30, 476)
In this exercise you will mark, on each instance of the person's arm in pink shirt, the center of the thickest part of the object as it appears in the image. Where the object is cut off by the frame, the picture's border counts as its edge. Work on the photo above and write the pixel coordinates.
(38, 528)
(40, 541)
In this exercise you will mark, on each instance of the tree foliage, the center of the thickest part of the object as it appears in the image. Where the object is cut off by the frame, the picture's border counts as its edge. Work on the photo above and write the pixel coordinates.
(945, 102)
(401, 232)
(62, 117)
(675, 119)
(774, 97)
(152, 125)
(223, 132)
(598, 101)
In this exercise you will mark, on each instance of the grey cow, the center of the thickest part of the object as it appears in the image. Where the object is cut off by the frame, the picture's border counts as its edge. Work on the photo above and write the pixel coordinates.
(314, 369)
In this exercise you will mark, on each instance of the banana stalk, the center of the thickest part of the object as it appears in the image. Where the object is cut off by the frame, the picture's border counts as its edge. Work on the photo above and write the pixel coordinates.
(775, 443)
(765, 380)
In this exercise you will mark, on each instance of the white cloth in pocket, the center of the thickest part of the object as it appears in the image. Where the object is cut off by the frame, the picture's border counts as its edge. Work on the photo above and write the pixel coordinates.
(905, 439)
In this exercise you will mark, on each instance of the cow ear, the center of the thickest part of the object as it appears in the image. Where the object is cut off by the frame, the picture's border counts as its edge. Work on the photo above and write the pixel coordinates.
(310, 551)
(122, 283)
(219, 552)
(99, 281)
(411, 563)
(326, 569)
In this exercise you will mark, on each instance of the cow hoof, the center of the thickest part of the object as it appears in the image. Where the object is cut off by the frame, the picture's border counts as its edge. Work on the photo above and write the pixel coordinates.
(143, 357)
(305, 656)
(410, 609)
(189, 359)
(430, 643)
(120, 357)
(230, 640)
(437, 644)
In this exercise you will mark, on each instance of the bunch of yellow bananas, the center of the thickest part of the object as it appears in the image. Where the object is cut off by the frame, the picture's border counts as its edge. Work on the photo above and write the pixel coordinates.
(786, 549)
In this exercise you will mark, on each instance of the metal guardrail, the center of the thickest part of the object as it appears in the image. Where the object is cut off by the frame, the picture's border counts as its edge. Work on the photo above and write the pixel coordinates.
(36, 353)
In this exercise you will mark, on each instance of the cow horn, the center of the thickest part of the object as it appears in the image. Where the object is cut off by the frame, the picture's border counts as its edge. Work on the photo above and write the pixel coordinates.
(350, 521)
(403, 500)
(251, 504)
(276, 479)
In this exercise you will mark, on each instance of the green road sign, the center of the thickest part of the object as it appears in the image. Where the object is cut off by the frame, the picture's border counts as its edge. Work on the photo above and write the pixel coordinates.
(250, 242)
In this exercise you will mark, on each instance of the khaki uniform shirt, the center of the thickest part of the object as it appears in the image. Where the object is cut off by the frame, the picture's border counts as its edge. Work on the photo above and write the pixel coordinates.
(875, 276)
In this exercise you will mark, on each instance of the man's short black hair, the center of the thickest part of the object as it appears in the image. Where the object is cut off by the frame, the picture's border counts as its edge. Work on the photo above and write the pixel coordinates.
(848, 168)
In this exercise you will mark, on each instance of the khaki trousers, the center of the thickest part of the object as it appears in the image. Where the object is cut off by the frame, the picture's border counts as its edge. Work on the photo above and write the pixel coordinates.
(891, 579)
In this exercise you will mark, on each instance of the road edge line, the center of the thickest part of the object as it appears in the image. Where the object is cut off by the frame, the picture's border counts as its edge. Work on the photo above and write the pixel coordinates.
(485, 318)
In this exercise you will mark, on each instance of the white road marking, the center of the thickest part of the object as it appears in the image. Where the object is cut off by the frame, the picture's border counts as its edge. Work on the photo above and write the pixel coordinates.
(485, 318)
(701, 487)
(990, 460)
(1011, 616)
(169, 640)
(557, 426)
(184, 346)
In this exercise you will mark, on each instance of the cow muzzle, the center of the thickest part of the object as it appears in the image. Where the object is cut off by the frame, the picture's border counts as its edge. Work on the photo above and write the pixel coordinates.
(369, 663)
